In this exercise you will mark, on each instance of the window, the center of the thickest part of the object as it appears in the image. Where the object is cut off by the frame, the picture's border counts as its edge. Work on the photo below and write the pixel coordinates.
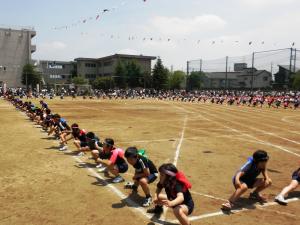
(266, 78)
(107, 63)
(54, 66)
(54, 76)
(92, 65)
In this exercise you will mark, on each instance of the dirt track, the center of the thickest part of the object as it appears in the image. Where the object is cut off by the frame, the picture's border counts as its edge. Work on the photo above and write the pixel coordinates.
(39, 185)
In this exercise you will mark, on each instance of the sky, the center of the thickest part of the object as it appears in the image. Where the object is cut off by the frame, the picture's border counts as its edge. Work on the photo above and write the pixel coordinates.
(181, 30)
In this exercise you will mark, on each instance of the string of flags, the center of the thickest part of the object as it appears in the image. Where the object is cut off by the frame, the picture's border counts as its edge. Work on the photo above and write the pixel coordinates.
(177, 40)
(95, 17)
(105, 11)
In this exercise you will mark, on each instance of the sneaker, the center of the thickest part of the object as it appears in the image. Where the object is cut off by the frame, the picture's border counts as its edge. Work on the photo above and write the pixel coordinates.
(64, 148)
(103, 169)
(118, 179)
(147, 202)
(157, 210)
(80, 154)
(99, 166)
(129, 185)
(280, 199)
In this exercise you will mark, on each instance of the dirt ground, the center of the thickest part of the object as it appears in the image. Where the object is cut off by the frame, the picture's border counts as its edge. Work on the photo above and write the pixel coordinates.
(40, 185)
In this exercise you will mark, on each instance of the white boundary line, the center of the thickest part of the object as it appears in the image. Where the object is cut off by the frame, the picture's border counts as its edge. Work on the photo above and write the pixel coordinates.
(208, 196)
(133, 205)
(180, 141)
(221, 213)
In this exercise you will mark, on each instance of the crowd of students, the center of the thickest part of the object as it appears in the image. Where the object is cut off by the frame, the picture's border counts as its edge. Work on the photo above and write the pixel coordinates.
(113, 160)
(271, 99)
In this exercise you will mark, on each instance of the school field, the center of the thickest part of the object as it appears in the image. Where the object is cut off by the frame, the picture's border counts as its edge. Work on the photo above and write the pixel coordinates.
(40, 185)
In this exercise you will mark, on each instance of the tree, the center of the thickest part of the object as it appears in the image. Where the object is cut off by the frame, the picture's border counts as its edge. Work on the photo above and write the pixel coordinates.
(134, 75)
(104, 83)
(120, 75)
(30, 76)
(176, 79)
(160, 76)
(296, 82)
(195, 80)
(79, 80)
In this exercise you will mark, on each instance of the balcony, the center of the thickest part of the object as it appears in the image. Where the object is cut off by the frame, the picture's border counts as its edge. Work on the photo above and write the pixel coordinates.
(32, 48)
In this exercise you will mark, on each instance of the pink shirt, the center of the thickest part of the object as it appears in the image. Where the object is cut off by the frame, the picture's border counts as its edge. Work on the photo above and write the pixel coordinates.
(115, 153)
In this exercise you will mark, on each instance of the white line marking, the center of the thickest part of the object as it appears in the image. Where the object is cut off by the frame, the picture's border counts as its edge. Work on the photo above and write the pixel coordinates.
(253, 137)
(208, 196)
(115, 190)
(180, 141)
(220, 213)
(285, 119)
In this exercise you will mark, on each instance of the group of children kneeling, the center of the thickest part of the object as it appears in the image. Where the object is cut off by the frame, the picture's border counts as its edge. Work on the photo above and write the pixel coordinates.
(113, 160)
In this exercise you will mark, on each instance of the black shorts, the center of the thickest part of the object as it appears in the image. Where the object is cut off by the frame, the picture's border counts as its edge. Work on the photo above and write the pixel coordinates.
(122, 167)
(296, 176)
(250, 182)
(190, 205)
(83, 144)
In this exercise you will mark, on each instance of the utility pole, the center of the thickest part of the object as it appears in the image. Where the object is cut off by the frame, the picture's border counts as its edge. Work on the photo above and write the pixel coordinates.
(187, 74)
(252, 70)
(295, 60)
(290, 74)
(226, 76)
(200, 65)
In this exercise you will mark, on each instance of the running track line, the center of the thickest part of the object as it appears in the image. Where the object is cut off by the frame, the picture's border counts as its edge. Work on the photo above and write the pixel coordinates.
(221, 213)
(133, 205)
(251, 136)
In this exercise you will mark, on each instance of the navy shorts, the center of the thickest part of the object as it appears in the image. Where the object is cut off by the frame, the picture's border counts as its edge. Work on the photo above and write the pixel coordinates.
(151, 178)
(122, 167)
(296, 176)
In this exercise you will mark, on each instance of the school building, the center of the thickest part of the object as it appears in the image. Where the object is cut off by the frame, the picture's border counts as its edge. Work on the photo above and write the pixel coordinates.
(15, 52)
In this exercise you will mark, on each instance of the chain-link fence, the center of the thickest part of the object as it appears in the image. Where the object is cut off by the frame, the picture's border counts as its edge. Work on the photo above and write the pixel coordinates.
(253, 71)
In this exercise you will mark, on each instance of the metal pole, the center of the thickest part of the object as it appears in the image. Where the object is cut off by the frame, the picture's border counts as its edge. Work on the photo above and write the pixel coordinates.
(295, 60)
(226, 74)
(26, 81)
(252, 71)
(187, 74)
(201, 65)
(290, 73)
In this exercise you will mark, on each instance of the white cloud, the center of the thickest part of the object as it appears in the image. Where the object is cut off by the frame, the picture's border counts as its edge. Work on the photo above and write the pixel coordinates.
(55, 45)
(184, 26)
(264, 3)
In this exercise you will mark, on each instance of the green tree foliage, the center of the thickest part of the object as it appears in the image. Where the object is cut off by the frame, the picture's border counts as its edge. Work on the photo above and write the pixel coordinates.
(195, 80)
(104, 83)
(160, 76)
(120, 75)
(176, 80)
(296, 82)
(79, 80)
(30, 76)
(134, 75)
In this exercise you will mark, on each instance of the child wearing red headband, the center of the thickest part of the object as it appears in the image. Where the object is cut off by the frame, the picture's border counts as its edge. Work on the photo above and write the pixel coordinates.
(178, 196)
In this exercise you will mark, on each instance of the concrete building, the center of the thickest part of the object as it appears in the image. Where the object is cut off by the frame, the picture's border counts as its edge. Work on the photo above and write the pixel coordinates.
(284, 75)
(57, 72)
(15, 52)
(91, 68)
(239, 79)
